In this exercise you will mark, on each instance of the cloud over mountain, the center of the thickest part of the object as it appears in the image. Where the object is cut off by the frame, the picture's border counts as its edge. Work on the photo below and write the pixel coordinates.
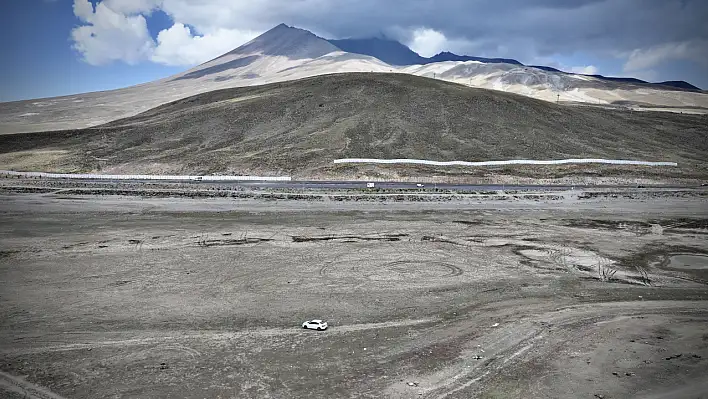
(638, 34)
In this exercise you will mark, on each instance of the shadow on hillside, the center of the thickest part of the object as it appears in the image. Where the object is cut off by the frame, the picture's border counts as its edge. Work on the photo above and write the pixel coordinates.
(237, 63)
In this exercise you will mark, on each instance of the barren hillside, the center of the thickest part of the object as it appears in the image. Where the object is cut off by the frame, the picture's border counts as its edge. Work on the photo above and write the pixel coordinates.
(300, 127)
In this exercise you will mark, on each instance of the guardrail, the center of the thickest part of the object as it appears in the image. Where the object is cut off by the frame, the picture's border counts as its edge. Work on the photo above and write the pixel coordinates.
(502, 163)
(142, 177)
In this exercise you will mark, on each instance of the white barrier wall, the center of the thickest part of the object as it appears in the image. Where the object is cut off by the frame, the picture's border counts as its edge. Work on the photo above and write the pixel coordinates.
(501, 163)
(143, 177)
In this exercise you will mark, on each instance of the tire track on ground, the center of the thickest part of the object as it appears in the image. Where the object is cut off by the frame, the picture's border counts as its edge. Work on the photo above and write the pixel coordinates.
(515, 339)
(453, 271)
(25, 388)
(210, 335)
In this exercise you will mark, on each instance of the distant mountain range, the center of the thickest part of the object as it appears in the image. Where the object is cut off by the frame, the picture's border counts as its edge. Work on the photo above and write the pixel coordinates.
(395, 53)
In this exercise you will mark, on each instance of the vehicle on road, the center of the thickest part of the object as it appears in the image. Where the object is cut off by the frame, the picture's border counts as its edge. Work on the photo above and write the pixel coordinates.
(369, 185)
(420, 185)
(315, 325)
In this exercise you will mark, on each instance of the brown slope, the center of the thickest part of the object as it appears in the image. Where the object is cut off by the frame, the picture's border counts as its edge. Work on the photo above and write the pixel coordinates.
(299, 127)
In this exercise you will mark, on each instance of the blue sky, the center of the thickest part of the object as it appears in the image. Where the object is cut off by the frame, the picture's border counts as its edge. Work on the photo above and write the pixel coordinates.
(59, 47)
(45, 65)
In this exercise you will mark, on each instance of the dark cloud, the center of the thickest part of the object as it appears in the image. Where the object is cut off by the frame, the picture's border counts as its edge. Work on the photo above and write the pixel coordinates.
(525, 29)
(548, 26)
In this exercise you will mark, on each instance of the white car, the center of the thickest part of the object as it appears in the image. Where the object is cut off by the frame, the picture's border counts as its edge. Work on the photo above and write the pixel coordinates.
(419, 185)
(315, 325)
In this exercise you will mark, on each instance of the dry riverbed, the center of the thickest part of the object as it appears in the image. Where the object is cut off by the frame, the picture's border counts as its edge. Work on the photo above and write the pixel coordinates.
(575, 295)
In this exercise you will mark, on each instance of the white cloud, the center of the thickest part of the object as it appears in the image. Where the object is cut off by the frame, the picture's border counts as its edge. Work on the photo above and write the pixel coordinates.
(178, 46)
(110, 36)
(585, 70)
(641, 59)
(428, 42)
(83, 9)
(205, 15)
(117, 31)
(131, 7)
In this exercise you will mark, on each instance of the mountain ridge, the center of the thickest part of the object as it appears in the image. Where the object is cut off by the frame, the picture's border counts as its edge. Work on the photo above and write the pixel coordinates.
(287, 53)
(404, 56)
(387, 50)
(289, 41)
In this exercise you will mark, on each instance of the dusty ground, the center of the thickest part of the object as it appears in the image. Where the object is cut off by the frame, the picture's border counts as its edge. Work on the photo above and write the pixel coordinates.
(123, 297)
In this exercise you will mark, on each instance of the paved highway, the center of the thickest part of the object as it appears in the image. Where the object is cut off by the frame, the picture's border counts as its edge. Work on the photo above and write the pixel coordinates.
(344, 185)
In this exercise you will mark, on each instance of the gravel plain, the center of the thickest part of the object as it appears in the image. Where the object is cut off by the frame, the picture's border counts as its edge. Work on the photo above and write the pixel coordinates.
(572, 295)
